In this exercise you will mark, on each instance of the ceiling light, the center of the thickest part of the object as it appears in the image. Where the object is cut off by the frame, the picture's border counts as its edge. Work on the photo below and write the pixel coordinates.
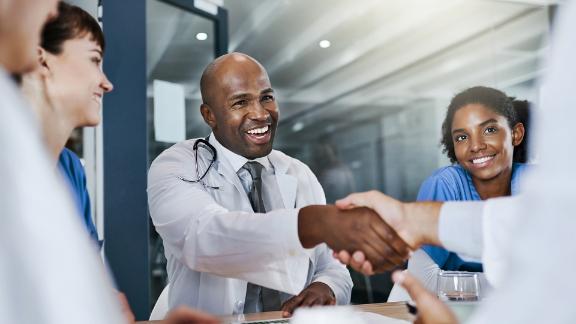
(324, 43)
(297, 127)
(201, 36)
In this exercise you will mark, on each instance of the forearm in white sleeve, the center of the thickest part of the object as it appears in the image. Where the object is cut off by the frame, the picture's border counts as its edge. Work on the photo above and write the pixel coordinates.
(460, 227)
(480, 229)
(500, 219)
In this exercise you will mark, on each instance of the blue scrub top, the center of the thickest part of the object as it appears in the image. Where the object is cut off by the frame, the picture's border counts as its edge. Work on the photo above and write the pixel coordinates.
(72, 168)
(455, 183)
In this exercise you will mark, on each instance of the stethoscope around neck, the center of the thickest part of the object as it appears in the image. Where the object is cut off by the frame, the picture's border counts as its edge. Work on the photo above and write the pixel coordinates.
(200, 178)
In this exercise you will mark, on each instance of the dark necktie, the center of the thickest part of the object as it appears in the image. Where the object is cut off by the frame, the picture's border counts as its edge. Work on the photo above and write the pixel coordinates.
(270, 298)
(255, 194)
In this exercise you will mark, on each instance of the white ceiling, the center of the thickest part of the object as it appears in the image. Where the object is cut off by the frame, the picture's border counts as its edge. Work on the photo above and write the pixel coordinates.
(380, 49)
(383, 53)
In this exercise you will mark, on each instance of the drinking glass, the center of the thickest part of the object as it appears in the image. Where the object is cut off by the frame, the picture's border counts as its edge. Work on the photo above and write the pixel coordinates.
(458, 286)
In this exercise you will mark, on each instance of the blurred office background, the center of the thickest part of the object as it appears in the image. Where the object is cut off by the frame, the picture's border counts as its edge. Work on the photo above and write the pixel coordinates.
(362, 85)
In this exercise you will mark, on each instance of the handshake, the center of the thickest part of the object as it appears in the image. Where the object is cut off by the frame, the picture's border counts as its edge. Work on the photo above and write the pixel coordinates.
(370, 231)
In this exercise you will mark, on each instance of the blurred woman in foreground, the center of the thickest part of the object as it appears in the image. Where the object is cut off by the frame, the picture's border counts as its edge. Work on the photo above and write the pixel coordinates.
(66, 90)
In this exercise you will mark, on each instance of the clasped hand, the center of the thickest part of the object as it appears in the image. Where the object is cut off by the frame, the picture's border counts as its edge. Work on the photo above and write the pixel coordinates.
(353, 229)
(413, 223)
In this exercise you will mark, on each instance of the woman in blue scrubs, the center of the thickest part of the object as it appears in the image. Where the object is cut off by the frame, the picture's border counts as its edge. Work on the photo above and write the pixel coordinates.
(483, 136)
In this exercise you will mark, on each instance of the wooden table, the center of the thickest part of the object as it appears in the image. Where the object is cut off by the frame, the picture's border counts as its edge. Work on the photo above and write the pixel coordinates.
(396, 310)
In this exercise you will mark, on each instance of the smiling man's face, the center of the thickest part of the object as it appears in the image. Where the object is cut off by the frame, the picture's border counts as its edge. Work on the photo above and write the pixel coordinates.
(240, 106)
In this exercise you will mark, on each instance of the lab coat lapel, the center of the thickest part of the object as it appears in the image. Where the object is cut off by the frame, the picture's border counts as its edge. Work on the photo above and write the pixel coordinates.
(225, 169)
(288, 184)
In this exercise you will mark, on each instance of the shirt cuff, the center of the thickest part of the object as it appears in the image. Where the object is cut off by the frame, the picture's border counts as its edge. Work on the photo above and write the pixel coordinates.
(460, 227)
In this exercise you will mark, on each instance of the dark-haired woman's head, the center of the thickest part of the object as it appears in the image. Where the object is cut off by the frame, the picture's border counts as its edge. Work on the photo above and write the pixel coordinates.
(481, 130)
(71, 50)
(70, 23)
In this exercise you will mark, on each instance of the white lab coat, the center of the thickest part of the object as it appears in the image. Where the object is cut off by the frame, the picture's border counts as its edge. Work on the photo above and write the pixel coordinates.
(538, 285)
(215, 244)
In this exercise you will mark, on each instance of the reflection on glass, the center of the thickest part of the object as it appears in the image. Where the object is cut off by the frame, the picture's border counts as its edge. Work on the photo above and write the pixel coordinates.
(177, 55)
(169, 112)
(335, 176)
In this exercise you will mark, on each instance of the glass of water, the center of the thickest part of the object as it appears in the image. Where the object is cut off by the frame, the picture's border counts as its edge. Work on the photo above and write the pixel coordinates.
(458, 286)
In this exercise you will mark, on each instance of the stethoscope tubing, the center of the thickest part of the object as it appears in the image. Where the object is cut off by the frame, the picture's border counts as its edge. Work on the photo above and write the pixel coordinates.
(200, 178)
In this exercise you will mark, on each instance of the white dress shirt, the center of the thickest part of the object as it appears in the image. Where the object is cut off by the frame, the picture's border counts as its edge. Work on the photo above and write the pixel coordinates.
(271, 197)
(270, 192)
(50, 271)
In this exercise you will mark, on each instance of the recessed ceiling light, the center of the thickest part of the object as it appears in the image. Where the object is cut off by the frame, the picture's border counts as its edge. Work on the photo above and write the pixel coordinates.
(324, 43)
(201, 36)
(297, 127)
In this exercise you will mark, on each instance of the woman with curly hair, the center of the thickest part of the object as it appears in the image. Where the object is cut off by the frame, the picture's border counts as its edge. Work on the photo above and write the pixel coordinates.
(483, 136)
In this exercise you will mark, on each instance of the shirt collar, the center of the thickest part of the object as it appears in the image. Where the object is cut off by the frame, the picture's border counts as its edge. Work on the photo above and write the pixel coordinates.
(236, 161)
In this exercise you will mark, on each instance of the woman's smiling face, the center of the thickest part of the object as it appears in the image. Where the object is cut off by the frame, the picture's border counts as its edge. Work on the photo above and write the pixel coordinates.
(77, 80)
(483, 141)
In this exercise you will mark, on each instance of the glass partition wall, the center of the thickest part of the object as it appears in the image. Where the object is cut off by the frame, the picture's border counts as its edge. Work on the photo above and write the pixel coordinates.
(363, 86)
(181, 41)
